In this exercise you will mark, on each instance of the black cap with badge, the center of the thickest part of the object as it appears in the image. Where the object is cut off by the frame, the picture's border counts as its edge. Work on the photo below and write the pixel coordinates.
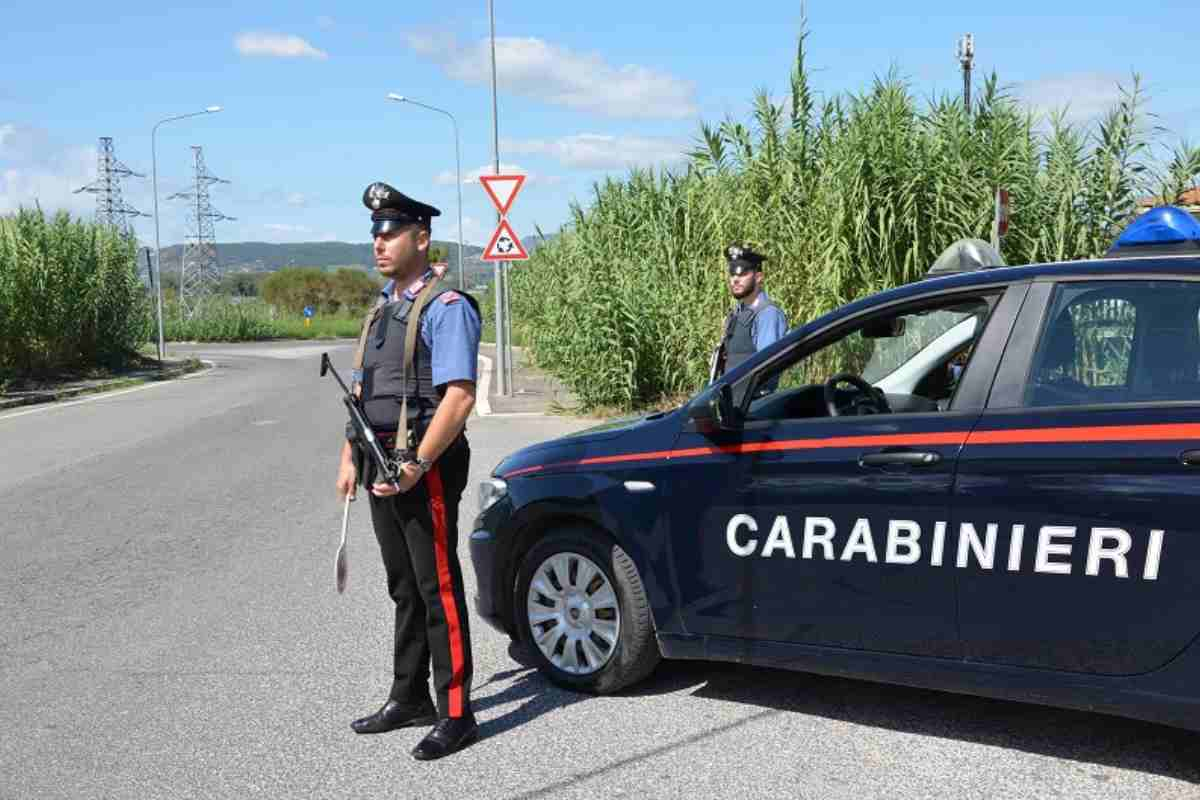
(743, 259)
(392, 209)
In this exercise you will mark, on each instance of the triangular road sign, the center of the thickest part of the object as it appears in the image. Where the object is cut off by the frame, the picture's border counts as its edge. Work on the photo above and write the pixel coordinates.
(502, 189)
(505, 245)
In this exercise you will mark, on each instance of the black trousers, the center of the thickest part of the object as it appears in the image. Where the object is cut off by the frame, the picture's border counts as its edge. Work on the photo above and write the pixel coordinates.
(418, 538)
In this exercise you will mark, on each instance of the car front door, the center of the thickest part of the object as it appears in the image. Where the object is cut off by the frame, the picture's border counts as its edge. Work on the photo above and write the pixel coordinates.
(798, 526)
(1079, 486)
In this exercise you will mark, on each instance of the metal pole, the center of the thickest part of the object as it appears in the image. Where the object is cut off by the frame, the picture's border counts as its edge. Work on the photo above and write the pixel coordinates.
(508, 354)
(157, 246)
(967, 86)
(462, 268)
(501, 349)
(966, 55)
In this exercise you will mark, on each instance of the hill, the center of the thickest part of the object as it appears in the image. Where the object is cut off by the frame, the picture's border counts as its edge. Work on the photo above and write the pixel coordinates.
(268, 257)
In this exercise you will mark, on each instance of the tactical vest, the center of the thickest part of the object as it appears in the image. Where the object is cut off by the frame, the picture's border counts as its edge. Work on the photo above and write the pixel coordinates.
(383, 382)
(739, 335)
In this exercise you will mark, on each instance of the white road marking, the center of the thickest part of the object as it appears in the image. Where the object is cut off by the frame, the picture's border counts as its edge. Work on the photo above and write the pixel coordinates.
(52, 406)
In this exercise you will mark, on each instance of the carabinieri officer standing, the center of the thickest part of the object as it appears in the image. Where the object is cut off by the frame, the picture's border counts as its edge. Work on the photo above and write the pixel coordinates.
(425, 404)
(755, 322)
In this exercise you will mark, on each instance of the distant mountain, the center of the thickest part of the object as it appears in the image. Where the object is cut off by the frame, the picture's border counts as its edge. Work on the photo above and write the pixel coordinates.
(268, 257)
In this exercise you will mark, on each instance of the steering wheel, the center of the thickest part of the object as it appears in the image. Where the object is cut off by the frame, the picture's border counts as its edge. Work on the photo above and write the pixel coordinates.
(867, 400)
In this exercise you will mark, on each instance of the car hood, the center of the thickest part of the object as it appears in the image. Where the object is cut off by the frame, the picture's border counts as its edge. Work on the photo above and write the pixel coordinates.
(599, 439)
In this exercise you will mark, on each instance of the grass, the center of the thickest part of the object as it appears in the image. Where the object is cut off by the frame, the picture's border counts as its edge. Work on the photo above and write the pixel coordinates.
(221, 320)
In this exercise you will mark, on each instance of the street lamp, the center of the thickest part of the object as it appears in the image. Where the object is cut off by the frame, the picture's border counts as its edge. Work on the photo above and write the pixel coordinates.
(399, 98)
(157, 245)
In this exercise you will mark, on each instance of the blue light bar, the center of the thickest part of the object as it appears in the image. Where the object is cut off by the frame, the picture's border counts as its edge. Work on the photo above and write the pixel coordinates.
(1163, 230)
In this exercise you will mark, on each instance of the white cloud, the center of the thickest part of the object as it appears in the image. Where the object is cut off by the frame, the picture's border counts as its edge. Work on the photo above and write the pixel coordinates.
(283, 227)
(1085, 95)
(280, 45)
(8, 133)
(447, 178)
(36, 171)
(597, 151)
(584, 82)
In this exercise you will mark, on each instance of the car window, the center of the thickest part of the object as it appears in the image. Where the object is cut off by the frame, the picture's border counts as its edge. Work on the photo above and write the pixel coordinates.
(920, 330)
(915, 357)
(1118, 342)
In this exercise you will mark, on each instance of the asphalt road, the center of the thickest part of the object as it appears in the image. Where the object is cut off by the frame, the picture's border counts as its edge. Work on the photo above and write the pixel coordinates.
(170, 629)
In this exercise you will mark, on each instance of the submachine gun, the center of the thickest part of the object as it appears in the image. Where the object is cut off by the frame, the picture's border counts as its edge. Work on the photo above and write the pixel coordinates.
(389, 471)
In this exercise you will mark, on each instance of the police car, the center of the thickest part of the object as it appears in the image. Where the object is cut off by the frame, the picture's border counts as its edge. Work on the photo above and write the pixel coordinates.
(985, 482)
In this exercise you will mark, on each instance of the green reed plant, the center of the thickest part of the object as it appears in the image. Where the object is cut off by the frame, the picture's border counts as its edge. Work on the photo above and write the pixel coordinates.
(848, 196)
(70, 296)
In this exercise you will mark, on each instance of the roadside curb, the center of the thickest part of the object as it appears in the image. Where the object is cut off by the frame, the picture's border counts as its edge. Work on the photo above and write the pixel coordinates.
(66, 393)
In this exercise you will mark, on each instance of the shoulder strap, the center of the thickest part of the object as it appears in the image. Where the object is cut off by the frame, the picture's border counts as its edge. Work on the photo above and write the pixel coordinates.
(372, 315)
(410, 351)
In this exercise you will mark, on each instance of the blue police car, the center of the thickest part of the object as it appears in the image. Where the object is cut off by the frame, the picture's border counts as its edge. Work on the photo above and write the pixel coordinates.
(985, 482)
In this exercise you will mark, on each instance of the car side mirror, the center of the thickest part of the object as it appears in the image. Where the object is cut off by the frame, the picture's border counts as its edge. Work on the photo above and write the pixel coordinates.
(714, 411)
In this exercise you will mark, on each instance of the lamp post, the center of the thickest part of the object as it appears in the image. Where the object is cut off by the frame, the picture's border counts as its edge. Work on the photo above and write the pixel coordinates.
(399, 98)
(157, 245)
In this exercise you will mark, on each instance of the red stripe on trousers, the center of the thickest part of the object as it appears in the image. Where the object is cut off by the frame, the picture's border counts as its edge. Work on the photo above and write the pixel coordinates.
(437, 509)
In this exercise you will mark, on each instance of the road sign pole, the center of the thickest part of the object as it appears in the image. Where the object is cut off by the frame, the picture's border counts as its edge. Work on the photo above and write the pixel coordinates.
(508, 322)
(503, 387)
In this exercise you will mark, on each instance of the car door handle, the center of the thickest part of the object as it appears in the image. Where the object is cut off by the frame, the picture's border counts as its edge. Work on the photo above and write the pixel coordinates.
(1190, 458)
(909, 458)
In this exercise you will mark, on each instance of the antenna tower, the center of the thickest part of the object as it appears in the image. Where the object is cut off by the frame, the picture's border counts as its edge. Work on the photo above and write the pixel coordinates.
(966, 57)
(111, 208)
(199, 269)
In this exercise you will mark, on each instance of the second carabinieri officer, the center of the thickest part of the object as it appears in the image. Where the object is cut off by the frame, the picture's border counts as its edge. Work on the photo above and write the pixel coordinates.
(416, 371)
(755, 321)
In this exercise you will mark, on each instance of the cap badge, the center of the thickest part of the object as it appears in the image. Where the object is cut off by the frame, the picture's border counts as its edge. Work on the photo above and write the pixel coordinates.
(378, 193)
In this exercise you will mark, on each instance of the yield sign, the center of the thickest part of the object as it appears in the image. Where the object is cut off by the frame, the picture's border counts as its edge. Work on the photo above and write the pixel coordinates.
(502, 189)
(505, 245)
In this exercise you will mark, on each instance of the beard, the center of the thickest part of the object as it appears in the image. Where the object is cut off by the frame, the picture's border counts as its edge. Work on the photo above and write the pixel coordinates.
(744, 292)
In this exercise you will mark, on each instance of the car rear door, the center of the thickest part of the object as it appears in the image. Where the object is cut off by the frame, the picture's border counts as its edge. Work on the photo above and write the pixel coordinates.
(1078, 495)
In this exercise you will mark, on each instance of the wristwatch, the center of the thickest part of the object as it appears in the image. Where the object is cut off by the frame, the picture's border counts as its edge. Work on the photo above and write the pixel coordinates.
(423, 464)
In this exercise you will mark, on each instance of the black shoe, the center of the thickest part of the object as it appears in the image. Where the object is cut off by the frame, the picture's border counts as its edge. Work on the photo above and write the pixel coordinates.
(448, 736)
(394, 715)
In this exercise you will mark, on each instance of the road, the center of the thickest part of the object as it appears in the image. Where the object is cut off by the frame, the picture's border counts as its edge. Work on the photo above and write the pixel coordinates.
(171, 630)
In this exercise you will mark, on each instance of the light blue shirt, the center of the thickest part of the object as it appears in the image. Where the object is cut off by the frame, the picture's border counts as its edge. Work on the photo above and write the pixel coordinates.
(450, 328)
(770, 324)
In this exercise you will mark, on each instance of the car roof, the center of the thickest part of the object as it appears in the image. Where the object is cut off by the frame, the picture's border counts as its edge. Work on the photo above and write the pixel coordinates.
(1150, 265)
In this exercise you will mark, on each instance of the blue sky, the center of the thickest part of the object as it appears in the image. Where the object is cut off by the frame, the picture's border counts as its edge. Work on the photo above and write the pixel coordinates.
(586, 90)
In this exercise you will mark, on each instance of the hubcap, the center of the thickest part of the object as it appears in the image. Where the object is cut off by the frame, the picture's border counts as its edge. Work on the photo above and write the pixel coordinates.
(573, 613)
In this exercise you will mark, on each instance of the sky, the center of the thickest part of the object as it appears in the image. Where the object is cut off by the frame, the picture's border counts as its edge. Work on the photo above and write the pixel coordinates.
(586, 90)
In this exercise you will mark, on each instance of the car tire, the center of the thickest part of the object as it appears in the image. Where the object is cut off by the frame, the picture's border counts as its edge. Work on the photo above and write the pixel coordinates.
(581, 610)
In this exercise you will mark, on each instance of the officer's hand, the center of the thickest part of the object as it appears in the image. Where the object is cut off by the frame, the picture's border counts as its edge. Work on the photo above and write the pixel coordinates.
(347, 481)
(409, 475)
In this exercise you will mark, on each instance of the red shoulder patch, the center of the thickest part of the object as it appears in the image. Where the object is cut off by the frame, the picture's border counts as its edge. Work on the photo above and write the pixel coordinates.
(450, 297)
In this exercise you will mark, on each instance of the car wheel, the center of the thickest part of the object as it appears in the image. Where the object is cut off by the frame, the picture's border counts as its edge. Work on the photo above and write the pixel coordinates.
(581, 608)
